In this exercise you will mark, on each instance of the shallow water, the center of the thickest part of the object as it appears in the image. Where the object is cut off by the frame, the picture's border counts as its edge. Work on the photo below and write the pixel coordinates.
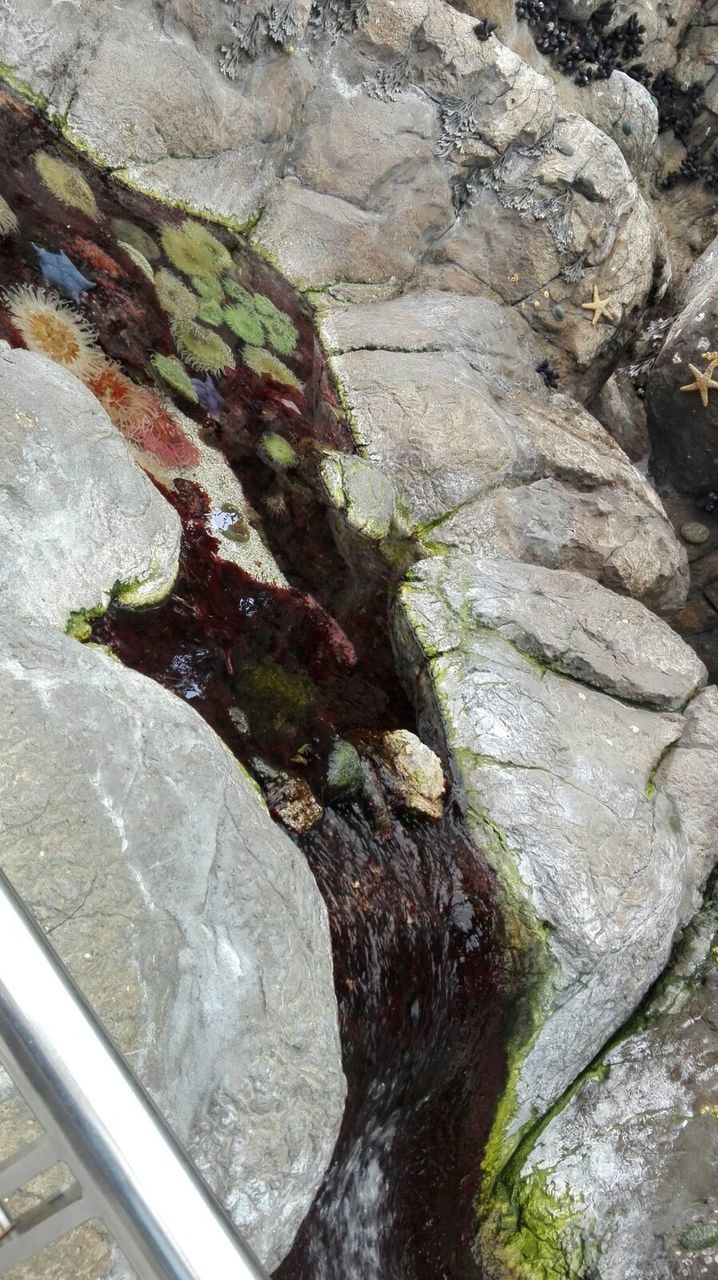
(280, 673)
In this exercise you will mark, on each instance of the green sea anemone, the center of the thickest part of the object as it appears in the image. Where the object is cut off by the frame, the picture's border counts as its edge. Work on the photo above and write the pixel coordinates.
(139, 259)
(210, 312)
(194, 250)
(245, 323)
(175, 375)
(277, 450)
(238, 292)
(66, 183)
(208, 287)
(266, 365)
(129, 233)
(8, 221)
(173, 296)
(202, 349)
(282, 334)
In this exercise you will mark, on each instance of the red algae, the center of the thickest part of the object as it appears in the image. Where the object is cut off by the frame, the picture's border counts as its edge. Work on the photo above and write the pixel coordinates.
(281, 674)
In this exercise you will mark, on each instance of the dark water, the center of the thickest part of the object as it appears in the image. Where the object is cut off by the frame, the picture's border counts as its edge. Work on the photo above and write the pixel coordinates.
(280, 673)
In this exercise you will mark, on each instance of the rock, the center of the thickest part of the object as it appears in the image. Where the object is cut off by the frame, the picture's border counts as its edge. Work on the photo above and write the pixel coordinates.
(695, 533)
(344, 775)
(623, 414)
(558, 785)
(366, 511)
(78, 519)
(684, 430)
(621, 1183)
(571, 624)
(411, 771)
(132, 832)
(606, 535)
(689, 775)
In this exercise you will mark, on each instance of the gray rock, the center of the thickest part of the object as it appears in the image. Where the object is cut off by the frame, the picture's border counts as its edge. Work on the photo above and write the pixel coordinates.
(558, 786)
(689, 774)
(133, 834)
(605, 534)
(77, 517)
(573, 625)
(621, 1184)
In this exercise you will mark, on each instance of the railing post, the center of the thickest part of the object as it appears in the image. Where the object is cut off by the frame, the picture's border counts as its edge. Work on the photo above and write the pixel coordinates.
(132, 1172)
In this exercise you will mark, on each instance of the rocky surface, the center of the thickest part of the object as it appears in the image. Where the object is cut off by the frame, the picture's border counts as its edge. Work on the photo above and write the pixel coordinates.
(463, 214)
(559, 782)
(621, 1184)
(78, 520)
(132, 832)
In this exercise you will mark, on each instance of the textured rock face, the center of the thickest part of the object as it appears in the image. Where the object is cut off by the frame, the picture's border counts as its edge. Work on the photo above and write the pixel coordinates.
(558, 781)
(190, 921)
(621, 1184)
(140, 837)
(684, 429)
(77, 517)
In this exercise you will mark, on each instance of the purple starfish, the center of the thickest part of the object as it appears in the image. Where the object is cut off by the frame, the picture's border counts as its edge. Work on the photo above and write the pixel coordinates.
(208, 395)
(57, 269)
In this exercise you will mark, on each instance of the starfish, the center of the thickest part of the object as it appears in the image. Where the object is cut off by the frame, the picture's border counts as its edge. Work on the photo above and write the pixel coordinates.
(600, 307)
(57, 269)
(703, 382)
(208, 395)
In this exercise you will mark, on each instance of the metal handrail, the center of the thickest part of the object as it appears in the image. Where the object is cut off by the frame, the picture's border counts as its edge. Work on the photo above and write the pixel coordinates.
(131, 1171)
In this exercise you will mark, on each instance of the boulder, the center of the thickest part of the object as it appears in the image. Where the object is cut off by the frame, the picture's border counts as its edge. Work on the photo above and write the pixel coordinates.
(558, 783)
(621, 1185)
(133, 834)
(78, 519)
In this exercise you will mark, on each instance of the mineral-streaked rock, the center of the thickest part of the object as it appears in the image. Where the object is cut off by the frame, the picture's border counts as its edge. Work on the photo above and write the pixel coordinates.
(187, 917)
(558, 784)
(77, 517)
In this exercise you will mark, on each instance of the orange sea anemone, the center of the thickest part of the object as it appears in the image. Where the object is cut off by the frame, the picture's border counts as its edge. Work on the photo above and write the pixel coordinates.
(164, 438)
(56, 329)
(130, 407)
(95, 258)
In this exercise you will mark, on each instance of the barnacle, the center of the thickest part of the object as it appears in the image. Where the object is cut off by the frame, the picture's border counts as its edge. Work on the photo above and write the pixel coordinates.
(245, 323)
(202, 349)
(265, 364)
(8, 221)
(138, 258)
(175, 375)
(53, 327)
(173, 296)
(281, 333)
(194, 250)
(129, 233)
(66, 183)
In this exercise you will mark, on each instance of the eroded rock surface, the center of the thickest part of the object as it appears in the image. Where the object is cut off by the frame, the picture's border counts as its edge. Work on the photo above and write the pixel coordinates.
(559, 782)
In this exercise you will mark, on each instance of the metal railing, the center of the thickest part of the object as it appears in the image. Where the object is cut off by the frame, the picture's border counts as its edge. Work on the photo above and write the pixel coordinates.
(130, 1171)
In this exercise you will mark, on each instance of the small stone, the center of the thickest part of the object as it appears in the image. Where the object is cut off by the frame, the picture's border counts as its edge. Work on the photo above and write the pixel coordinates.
(345, 775)
(292, 801)
(559, 312)
(627, 128)
(695, 533)
(416, 776)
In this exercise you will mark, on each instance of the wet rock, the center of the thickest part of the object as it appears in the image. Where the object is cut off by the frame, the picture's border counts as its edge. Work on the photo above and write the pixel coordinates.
(684, 423)
(411, 771)
(623, 1177)
(78, 517)
(695, 533)
(344, 775)
(571, 624)
(292, 801)
(558, 785)
(689, 774)
(133, 833)
(366, 511)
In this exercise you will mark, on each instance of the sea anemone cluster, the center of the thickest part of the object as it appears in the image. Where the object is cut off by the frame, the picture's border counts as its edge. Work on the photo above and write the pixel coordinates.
(71, 292)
